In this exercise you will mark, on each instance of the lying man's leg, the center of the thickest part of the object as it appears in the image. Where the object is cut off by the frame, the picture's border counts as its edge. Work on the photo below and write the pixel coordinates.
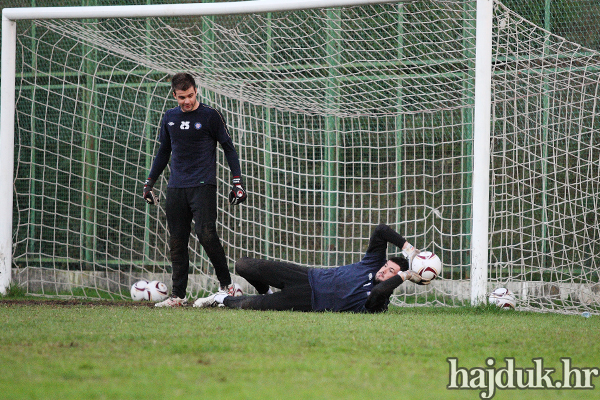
(292, 280)
(292, 297)
(265, 273)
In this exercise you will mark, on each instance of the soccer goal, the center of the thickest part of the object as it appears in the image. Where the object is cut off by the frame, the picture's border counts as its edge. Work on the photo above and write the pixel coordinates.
(465, 127)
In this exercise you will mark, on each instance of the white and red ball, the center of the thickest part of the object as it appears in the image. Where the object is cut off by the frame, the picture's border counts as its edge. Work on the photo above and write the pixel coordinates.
(427, 265)
(138, 290)
(235, 290)
(504, 298)
(156, 291)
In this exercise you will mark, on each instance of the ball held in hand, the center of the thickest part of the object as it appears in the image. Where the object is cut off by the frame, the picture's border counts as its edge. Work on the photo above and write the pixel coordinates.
(427, 265)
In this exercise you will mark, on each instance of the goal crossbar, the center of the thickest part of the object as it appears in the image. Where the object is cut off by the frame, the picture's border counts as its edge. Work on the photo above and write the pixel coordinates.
(177, 10)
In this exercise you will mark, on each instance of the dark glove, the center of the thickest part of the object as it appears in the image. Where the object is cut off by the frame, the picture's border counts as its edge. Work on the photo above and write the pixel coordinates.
(149, 195)
(238, 193)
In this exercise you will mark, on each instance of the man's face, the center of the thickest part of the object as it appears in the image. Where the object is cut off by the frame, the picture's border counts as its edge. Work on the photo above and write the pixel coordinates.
(187, 99)
(388, 270)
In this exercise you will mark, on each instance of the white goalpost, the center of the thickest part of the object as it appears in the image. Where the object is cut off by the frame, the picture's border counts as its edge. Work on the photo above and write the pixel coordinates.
(481, 153)
(7, 91)
(465, 127)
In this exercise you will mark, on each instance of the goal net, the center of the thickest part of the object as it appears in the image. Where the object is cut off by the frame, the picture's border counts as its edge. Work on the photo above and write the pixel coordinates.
(343, 118)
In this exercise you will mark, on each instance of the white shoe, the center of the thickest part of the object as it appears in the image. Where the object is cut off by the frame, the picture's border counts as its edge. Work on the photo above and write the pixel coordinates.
(232, 290)
(172, 301)
(206, 302)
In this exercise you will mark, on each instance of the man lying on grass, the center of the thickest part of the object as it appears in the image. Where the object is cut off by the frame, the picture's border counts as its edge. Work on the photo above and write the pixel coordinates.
(365, 286)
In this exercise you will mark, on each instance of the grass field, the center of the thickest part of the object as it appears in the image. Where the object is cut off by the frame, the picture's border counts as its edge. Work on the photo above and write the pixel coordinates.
(97, 350)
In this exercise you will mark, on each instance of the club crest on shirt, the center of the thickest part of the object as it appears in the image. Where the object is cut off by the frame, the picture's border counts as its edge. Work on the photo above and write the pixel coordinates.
(198, 125)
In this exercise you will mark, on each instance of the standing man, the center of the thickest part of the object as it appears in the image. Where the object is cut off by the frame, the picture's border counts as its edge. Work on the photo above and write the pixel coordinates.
(365, 286)
(189, 134)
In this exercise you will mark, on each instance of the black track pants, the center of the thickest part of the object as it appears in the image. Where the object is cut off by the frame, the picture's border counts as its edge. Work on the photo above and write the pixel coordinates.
(200, 205)
(292, 280)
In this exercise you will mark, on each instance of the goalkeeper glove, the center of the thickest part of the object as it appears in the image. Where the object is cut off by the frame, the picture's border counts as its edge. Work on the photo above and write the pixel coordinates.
(413, 277)
(410, 253)
(238, 193)
(149, 195)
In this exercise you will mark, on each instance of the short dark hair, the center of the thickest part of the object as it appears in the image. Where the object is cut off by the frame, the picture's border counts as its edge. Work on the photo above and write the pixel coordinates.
(402, 262)
(182, 81)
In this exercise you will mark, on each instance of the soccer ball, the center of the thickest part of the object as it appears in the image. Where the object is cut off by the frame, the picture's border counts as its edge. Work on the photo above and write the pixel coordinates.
(236, 290)
(502, 297)
(138, 290)
(156, 291)
(427, 265)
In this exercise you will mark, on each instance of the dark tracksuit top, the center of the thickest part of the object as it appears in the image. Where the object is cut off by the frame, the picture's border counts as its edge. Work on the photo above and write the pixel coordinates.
(352, 287)
(191, 139)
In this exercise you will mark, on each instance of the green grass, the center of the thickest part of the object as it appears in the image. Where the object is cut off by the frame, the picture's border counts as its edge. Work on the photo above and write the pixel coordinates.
(103, 351)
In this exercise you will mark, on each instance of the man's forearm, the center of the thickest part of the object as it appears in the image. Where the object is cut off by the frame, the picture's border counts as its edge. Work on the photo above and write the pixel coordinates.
(160, 162)
(381, 293)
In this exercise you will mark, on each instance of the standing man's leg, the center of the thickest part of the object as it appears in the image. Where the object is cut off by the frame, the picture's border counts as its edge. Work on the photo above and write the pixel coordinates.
(203, 202)
(179, 220)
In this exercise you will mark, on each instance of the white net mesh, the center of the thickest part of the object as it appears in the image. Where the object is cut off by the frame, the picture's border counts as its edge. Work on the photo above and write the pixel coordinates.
(545, 177)
(343, 118)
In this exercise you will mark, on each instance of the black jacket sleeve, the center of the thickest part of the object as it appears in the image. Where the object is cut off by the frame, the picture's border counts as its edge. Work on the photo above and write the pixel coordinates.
(164, 152)
(160, 161)
(378, 299)
(381, 236)
(223, 137)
